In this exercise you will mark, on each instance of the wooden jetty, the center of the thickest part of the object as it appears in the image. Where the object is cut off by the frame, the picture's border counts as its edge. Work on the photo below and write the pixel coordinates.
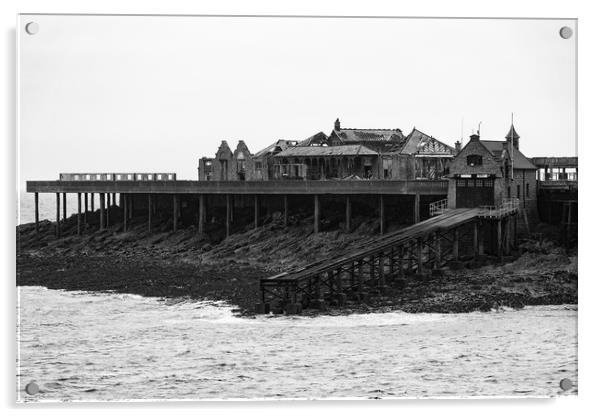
(429, 244)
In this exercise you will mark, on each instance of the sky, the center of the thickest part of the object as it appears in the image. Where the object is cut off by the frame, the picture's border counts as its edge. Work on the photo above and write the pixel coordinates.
(156, 93)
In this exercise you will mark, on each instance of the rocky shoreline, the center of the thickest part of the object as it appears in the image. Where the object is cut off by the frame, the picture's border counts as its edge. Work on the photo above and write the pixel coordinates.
(183, 264)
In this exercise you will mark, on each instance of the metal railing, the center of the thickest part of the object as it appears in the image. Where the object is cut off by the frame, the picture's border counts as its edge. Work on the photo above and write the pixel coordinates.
(128, 176)
(509, 205)
(438, 207)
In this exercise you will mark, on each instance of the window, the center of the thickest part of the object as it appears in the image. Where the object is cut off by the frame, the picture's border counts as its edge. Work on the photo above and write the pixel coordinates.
(387, 167)
(474, 160)
(258, 165)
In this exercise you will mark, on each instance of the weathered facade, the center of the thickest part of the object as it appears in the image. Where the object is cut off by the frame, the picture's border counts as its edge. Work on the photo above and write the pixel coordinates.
(486, 172)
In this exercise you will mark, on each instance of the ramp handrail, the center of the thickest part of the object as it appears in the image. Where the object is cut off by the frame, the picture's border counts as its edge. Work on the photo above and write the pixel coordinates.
(508, 205)
(438, 207)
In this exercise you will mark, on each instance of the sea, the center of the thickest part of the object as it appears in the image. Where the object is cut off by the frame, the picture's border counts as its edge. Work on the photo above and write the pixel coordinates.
(83, 346)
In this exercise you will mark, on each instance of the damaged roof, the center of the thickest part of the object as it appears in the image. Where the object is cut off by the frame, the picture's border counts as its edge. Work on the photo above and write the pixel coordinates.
(343, 150)
(277, 146)
(497, 148)
(369, 135)
(418, 142)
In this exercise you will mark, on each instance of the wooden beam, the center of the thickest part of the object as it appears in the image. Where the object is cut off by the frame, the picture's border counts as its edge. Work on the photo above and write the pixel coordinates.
(108, 211)
(499, 239)
(64, 207)
(475, 239)
(86, 209)
(456, 247)
(437, 244)
(124, 199)
(381, 207)
(92, 202)
(417, 208)
(419, 250)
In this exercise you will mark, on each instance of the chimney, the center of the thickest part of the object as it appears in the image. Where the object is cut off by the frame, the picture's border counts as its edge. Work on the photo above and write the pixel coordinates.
(474, 136)
(458, 147)
(337, 124)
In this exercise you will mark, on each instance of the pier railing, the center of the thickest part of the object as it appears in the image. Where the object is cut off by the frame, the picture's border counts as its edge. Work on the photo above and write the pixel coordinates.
(121, 176)
(438, 207)
(508, 206)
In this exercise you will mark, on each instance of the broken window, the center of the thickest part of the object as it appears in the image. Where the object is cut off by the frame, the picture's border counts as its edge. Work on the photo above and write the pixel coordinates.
(474, 160)
(387, 168)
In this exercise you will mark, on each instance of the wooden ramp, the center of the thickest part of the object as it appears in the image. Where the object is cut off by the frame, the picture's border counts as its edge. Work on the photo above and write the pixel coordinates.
(426, 245)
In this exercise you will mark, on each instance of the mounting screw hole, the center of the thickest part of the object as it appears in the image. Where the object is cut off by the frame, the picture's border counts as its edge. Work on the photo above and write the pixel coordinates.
(32, 28)
(566, 32)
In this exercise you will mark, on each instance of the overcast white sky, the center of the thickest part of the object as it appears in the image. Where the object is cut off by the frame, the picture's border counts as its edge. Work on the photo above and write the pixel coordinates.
(153, 94)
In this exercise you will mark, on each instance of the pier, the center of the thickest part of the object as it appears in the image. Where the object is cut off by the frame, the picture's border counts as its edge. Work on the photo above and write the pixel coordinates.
(452, 235)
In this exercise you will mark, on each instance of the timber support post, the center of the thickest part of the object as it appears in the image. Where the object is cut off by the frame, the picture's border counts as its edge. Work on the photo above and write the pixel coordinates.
(79, 213)
(419, 250)
(316, 213)
(92, 202)
(58, 215)
(437, 244)
(108, 210)
(37, 212)
(124, 200)
(86, 209)
(499, 239)
(348, 213)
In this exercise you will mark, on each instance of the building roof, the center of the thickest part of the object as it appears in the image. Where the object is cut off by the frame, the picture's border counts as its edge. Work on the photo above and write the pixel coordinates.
(498, 147)
(343, 150)
(418, 142)
(318, 138)
(277, 146)
(369, 135)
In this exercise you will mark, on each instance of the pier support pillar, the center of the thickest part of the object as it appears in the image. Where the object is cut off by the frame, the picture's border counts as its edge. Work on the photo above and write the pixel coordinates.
(108, 210)
(417, 208)
(499, 239)
(381, 209)
(37, 211)
(437, 244)
(456, 247)
(202, 215)
(402, 251)
(175, 212)
(515, 230)
(58, 215)
(124, 202)
(348, 214)
(79, 213)
(65, 207)
(228, 214)
(86, 209)
(475, 239)
(92, 202)
(256, 211)
(507, 240)
(381, 269)
(316, 213)
(101, 197)
(150, 212)
(286, 210)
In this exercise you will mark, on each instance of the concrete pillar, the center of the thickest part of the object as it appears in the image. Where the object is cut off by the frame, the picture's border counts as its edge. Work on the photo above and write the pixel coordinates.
(499, 239)
(101, 196)
(475, 239)
(202, 213)
(37, 211)
(86, 209)
(65, 207)
(228, 214)
(58, 215)
(108, 211)
(348, 213)
(79, 213)
(381, 209)
(316, 213)
(417, 208)
(150, 212)
(456, 247)
(285, 210)
(256, 211)
(175, 212)
(124, 201)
